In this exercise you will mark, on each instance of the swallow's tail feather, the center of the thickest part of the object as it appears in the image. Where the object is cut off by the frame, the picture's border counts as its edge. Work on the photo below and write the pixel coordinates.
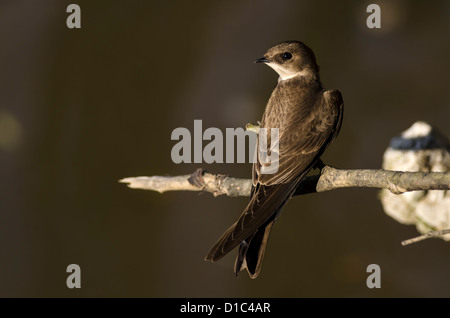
(251, 253)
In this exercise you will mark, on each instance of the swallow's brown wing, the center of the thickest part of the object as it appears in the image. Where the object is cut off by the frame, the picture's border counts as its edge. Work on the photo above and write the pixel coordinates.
(304, 139)
(297, 156)
(265, 202)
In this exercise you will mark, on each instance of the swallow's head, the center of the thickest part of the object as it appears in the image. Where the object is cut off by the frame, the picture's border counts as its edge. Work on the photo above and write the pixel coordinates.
(290, 59)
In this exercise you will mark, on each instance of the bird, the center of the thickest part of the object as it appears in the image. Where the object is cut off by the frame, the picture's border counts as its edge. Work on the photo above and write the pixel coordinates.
(308, 118)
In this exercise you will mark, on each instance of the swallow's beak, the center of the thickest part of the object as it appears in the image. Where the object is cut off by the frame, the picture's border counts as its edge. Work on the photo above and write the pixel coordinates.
(262, 60)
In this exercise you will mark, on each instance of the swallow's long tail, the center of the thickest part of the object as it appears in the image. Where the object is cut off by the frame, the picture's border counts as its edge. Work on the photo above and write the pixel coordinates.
(251, 231)
(251, 253)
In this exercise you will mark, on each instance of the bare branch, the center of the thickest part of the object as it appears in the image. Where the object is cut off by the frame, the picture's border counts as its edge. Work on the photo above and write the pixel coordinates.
(216, 184)
(425, 236)
(329, 179)
(395, 181)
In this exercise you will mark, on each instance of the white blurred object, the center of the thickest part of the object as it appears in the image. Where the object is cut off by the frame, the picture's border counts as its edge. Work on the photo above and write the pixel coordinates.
(420, 148)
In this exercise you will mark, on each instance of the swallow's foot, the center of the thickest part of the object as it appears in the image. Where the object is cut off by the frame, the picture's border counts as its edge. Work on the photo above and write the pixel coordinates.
(319, 165)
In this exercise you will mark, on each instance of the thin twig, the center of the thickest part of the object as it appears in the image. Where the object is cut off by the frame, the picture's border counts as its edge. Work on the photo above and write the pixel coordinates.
(425, 236)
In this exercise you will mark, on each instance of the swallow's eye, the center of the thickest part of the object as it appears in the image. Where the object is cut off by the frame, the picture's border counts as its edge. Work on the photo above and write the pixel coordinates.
(286, 56)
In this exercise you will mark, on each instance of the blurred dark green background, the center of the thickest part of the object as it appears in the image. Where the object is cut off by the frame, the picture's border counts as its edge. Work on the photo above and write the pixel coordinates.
(81, 109)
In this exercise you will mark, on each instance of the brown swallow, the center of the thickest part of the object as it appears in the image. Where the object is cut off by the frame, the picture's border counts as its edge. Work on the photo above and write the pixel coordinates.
(308, 119)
